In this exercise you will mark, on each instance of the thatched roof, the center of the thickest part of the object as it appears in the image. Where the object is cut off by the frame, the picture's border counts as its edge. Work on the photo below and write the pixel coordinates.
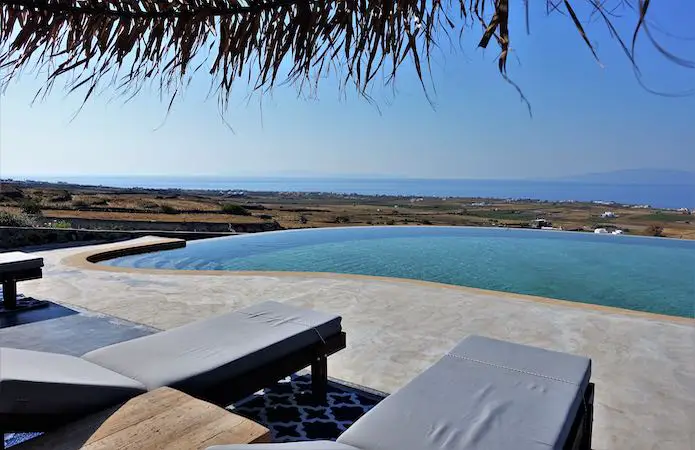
(126, 43)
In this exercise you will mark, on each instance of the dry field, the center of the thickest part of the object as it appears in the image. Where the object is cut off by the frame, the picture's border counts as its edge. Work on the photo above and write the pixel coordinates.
(322, 210)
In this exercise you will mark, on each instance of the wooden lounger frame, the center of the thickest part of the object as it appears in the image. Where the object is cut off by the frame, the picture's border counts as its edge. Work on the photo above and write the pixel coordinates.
(582, 427)
(9, 281)
(242, 386)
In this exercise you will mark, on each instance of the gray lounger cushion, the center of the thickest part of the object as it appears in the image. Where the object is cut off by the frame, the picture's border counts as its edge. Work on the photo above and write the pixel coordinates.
(204, 353)
(18, 262)
(485, 394)
(49, 383)
(308, 445)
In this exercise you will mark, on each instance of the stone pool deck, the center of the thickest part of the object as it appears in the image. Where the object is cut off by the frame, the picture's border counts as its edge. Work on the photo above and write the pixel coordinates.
(643, 365)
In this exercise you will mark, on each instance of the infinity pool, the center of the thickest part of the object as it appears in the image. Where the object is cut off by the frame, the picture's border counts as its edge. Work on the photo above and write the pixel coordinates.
(644, 274)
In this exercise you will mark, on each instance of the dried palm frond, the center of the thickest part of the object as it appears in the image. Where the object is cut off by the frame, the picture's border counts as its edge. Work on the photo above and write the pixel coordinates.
(128, 42)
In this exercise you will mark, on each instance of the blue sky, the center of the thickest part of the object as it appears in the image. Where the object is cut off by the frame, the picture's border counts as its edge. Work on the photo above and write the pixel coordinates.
(586, 118)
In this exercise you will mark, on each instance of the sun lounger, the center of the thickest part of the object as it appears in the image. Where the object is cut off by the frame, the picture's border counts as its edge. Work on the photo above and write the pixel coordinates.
(221, 359)
(484, 394)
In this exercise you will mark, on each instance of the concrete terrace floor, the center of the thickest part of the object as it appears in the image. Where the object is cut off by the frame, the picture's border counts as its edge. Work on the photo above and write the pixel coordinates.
(643, 366)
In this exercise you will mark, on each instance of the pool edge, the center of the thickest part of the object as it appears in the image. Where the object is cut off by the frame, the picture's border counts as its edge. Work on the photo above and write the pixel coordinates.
(88, 260)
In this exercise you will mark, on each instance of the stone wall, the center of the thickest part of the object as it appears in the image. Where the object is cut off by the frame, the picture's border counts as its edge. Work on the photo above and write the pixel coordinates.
(16, 237)
(214, 227)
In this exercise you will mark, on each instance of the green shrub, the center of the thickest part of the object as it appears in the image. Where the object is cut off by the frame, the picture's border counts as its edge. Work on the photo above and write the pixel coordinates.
(10, 192)
(60, 224)
(168, 209)
(149, 205)
(79, 204)
(654, 230)
(8, 219)
(64, 196)
(231, 208)
(31, 206)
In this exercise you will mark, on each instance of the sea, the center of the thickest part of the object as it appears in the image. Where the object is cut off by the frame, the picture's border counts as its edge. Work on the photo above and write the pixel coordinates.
(655, 195)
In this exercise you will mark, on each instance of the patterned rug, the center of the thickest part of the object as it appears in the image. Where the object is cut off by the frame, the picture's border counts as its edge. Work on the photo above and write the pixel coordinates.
(288, 411)
(17, 438)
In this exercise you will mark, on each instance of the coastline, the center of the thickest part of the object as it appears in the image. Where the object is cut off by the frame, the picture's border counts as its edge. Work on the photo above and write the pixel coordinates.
(676, 195)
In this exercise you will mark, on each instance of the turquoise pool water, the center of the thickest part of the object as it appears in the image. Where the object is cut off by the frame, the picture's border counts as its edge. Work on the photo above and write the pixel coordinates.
(644, 274)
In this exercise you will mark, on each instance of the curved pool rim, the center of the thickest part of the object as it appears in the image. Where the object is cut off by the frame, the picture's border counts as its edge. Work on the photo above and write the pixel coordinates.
(90, 260)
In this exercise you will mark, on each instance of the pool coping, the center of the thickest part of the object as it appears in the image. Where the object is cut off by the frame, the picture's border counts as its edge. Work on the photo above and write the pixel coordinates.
(88, 260)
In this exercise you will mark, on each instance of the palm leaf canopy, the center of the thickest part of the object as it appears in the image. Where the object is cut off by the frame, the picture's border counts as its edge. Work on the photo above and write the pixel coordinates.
(127, 43)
